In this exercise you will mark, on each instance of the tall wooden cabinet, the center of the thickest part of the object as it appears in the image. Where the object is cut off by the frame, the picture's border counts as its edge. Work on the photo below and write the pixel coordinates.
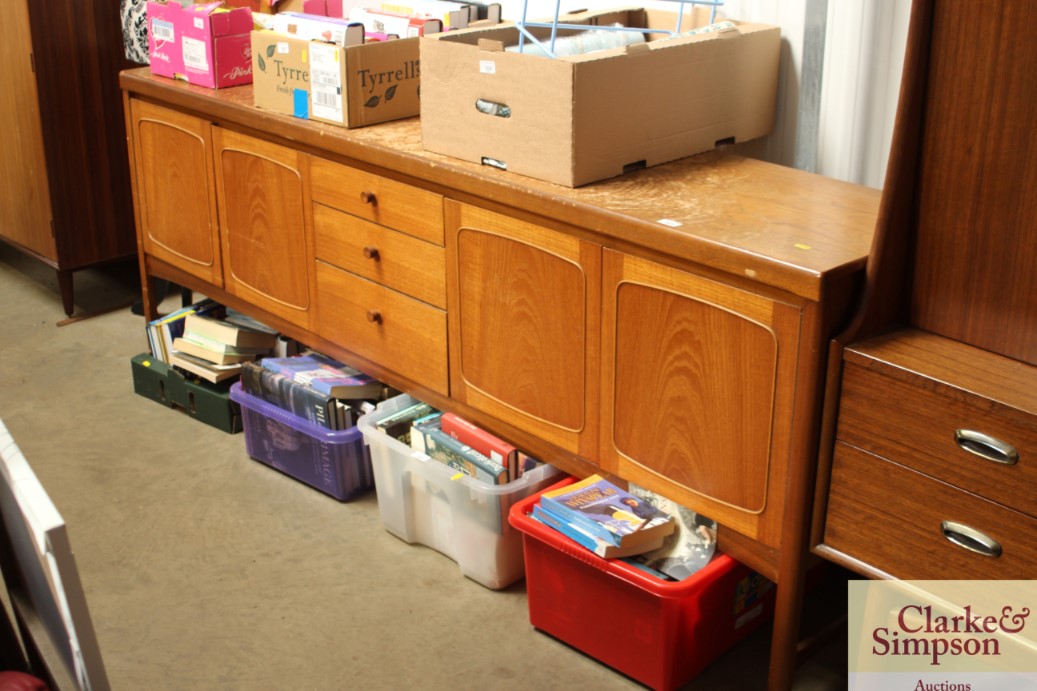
(64, 181)
(934, 410)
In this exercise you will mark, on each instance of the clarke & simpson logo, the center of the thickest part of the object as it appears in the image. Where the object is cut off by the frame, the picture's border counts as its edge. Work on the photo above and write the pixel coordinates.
(920, 632)
(942, 635)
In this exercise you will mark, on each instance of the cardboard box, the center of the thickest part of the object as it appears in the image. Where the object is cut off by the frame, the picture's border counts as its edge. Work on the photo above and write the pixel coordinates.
(574, 120)
(204, 44)
(351, 86)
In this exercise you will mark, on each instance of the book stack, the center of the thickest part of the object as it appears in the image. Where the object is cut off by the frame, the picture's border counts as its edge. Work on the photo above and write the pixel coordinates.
(313, 386)
(458, 443)
(216, 350)
(604, 518)
(164, 330)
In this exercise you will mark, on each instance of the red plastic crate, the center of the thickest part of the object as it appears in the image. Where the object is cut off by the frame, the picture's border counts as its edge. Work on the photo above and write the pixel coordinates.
(661, 633)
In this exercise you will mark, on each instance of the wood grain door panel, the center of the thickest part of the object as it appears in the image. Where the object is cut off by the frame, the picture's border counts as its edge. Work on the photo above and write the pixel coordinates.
(177, 196)
(698, 389)
(524, 304)
(266, 225)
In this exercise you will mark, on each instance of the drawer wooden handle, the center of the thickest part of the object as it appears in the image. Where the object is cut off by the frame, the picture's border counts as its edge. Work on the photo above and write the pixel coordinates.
(985, 446)
(374, 316)
(372, 253)
(369, 198)
(970, 539)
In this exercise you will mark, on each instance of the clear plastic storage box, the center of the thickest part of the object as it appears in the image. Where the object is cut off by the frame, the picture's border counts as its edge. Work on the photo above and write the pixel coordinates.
(427, 502)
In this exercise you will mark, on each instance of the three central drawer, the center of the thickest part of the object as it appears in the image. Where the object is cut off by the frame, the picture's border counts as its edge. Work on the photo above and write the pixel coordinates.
(381, 270)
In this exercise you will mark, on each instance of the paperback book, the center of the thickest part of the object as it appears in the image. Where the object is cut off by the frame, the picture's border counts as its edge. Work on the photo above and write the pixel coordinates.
(609, 512)
(603, 548)
(482, 441)
(164, 330)
(328, 376)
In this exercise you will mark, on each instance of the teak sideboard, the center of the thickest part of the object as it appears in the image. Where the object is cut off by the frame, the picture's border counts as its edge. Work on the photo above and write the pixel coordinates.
(668, 327)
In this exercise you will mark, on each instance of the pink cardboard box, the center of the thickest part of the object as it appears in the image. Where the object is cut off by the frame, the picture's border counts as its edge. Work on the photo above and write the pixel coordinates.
(207, 45)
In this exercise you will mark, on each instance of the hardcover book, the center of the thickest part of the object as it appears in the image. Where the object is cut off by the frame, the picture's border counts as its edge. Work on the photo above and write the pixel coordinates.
(484, 442)
(328, 376)
(609, 512)
(295, 397)
(217, 356)
(228, 333)
(202, 369)
(433, 441)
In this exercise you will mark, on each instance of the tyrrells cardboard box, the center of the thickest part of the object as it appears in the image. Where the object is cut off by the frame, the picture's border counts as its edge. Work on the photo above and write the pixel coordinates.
(586, 117)
(351, 85)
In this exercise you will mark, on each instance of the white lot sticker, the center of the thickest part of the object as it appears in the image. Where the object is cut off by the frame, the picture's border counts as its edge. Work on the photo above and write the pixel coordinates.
(670, 222)
(487, 67)
(194, 54)
(326, 82)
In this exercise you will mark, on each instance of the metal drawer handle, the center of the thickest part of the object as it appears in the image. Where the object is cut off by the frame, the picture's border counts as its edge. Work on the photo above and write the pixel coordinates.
(970, 539)
(985, 446)
(372, 253)
(374, 316)
(369, 198)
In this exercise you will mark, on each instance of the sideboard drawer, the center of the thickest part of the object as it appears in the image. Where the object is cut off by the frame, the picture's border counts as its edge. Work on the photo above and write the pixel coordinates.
(377, 253)
(884, 514)
(378, 199)
(383, 325)
(963, 438)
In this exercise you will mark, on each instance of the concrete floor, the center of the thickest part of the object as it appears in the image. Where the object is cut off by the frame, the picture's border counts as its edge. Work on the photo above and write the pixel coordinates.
(205, 569)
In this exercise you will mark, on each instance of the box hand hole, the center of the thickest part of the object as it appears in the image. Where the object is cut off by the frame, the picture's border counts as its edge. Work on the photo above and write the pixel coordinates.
(491, 108)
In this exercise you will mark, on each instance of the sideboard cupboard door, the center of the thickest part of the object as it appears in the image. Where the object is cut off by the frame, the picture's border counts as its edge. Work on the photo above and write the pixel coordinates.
(176, 194)
(697, 391)
(266, 225)
(523, 305)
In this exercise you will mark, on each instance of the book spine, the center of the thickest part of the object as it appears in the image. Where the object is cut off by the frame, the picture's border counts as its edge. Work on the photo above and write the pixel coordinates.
(484, 442)
(576, 517)
(278, 390)
(443, 447)
(570, 531)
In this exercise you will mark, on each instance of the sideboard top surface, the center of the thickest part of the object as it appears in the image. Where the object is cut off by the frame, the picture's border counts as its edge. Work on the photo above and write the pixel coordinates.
(785, 228)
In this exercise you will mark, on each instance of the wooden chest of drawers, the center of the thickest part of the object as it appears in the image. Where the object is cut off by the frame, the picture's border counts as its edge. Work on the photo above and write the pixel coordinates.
(933, 471)
(381, 269)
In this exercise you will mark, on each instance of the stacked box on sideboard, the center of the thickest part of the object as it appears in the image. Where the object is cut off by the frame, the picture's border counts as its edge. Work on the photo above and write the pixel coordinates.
(426, 502)
(661, 633)
(581, 118)
(352, 83)
(335, 462)
(205, 44)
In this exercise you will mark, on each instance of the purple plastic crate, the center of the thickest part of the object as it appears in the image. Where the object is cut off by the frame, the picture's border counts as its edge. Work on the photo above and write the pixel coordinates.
(335, 462)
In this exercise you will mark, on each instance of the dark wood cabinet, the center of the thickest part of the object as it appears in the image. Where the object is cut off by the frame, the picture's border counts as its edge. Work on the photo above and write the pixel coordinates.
(932, 406)
(65, 193)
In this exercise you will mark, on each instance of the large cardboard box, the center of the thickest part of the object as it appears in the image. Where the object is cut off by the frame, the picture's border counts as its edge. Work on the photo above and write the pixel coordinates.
(577, 119)
(351, 86)
(205, 44)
